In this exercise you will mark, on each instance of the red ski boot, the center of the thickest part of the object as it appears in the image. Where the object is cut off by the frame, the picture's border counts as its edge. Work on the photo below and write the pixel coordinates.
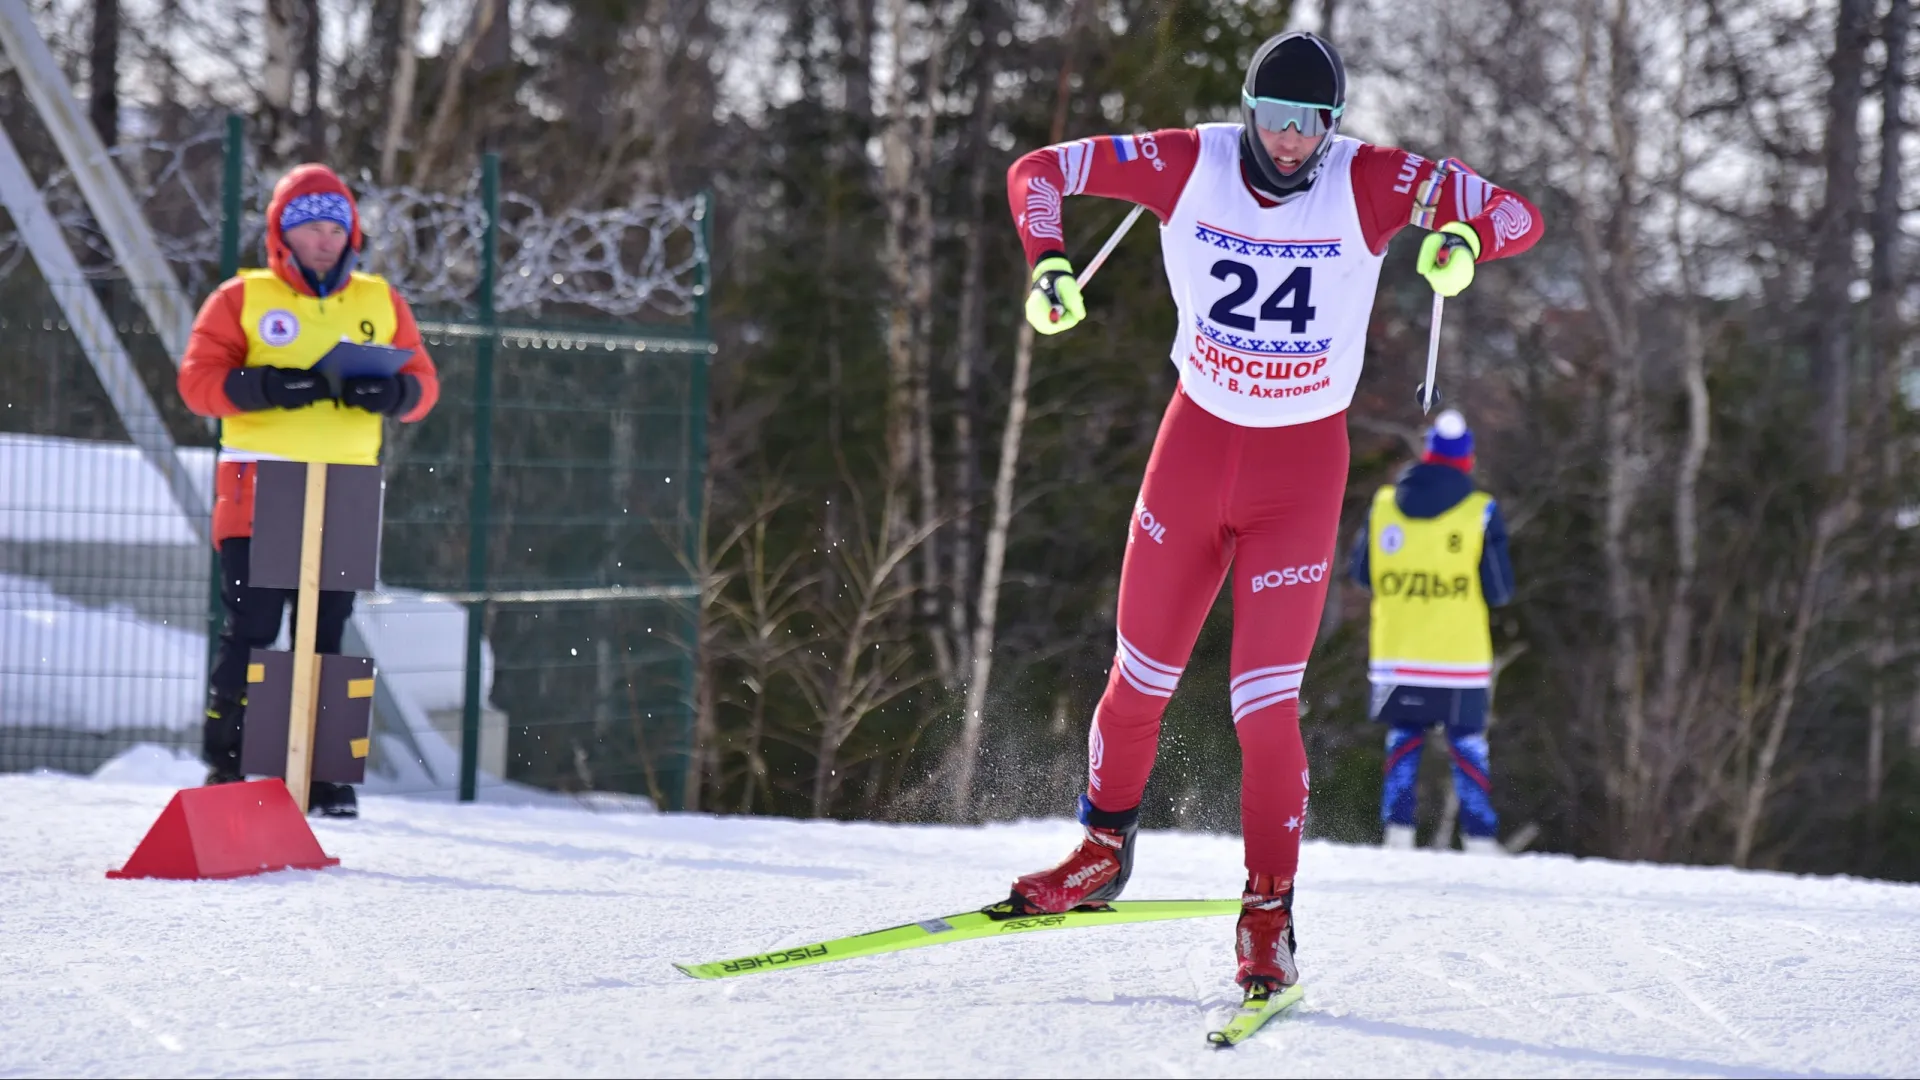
(1095, 873)
(1264, 938)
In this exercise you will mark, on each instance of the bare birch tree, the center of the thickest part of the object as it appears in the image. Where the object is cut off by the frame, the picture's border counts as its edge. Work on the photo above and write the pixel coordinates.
(282, 32)
(406, 69)
(453, 83)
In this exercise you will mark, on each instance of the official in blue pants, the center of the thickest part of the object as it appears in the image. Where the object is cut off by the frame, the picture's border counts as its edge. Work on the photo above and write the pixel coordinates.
(1434, 555)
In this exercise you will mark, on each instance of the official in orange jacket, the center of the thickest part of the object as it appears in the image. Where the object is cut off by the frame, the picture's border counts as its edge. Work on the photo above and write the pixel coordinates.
(248, 362)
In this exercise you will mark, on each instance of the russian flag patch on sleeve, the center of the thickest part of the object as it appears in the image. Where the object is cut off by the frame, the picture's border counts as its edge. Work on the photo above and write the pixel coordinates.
(1125, 147)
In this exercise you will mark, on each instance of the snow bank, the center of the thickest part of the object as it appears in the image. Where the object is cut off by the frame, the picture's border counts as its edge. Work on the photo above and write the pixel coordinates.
(159, 766)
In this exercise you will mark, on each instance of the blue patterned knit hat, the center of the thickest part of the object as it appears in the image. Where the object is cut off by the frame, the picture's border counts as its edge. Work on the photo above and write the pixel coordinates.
(317, 206)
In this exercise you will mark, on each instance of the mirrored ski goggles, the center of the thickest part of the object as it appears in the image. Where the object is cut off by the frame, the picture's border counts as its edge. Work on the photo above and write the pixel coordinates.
(1278, 114)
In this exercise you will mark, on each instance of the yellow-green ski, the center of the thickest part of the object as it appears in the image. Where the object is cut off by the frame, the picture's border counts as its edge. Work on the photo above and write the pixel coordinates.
(996, 921)
(1259, 1007)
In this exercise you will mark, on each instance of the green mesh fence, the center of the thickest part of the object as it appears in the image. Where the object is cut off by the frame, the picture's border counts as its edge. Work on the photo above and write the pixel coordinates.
(103, 580)
(596, 467)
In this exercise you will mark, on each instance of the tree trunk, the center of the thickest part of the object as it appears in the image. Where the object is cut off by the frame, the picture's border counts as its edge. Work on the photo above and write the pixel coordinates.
(826, 755)
(923, 274)
(494, 50)
(1913, 720)
(1677, 644)
(313, 116)
(440, 131)
(1877, 697)
(280, 31)
(1760, 781)
(967, 751)
(166, 24)
(854, 24)
(1883, 275)
(406, 69)
(896, 195)
(1833, 265)
(1608, 276)
(103, 72)
(971, 334)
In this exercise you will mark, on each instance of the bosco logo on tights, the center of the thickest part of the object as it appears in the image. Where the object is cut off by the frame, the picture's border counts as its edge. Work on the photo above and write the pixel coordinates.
(1292, 575)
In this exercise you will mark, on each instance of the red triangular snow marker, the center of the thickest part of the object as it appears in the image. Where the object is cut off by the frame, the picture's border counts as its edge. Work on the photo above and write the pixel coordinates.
(227, 831)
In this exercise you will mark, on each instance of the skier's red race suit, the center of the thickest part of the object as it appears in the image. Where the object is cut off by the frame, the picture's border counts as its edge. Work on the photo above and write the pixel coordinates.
(1250, 463)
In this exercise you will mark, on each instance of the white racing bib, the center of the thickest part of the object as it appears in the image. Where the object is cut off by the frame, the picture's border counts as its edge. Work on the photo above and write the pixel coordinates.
(1273, 302)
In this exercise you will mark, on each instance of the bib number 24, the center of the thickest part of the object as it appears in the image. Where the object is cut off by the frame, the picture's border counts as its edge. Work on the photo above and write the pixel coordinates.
(1291, 303)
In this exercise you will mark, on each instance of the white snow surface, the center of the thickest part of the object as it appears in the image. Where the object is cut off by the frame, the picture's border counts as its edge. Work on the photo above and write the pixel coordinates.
(516, 941)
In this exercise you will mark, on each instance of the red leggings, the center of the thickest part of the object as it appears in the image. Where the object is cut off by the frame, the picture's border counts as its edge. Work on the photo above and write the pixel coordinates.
(1267, 502)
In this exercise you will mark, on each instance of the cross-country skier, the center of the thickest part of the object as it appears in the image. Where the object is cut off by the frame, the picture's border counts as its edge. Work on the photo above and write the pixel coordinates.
(1434, 555)
(1273, 232)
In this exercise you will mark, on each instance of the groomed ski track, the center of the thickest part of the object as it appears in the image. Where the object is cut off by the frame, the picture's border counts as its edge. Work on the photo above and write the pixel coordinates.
(493, 940)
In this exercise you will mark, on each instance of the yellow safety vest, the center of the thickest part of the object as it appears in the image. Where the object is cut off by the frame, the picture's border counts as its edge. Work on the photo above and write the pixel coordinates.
(287, 328)
(1429, 616)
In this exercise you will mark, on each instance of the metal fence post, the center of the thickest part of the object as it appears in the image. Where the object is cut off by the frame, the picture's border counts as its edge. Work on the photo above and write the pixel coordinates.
(481, 497)
(232, 178)
(696, 488)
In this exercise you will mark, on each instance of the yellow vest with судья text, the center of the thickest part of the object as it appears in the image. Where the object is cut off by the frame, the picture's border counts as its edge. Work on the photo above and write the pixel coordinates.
(288, 328)
(1429, 625)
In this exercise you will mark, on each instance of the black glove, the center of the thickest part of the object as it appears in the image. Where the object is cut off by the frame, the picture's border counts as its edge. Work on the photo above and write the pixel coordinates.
(252, 389)
(388, 395)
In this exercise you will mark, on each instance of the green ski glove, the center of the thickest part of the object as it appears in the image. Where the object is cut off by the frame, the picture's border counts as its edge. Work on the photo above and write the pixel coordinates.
(1441, 260)
(1054, 303)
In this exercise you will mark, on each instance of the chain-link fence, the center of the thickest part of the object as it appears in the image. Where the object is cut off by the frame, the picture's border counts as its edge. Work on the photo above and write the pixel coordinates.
(549, 502)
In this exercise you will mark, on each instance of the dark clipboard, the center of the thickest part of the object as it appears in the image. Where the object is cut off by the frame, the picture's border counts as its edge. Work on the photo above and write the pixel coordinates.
(358, 360)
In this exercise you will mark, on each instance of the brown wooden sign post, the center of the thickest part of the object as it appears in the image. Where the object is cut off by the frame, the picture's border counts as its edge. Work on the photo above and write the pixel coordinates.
(304, 704)
(309, 716)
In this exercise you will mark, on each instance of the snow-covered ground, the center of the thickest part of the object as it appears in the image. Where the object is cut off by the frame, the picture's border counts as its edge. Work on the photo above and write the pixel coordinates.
(465, 940)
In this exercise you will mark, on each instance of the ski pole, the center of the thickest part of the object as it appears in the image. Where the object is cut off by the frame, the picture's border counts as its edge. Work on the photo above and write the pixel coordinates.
(1427, 391)
(1113, 241)
(1426, 205)
(1106, 249)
